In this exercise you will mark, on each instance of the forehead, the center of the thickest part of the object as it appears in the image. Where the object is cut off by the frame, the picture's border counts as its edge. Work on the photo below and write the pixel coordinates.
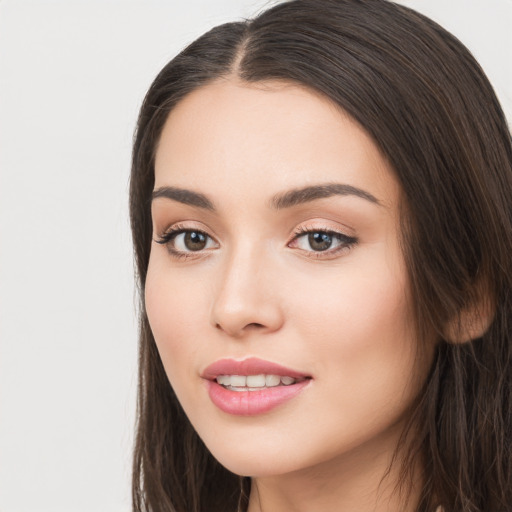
(234, 136)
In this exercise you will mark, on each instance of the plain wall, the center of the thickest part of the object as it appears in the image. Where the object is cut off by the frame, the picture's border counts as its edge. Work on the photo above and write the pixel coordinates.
(72, 77)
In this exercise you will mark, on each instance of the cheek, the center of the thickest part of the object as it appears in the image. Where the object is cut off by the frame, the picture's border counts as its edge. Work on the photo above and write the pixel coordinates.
(175, 314)
(366, 296)
(360, 325)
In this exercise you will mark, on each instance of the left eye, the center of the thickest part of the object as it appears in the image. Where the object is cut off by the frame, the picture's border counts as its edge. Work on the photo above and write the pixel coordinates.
(320, 241)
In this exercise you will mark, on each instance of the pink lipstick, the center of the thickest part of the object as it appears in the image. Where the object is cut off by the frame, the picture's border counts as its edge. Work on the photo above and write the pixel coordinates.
(252, 386)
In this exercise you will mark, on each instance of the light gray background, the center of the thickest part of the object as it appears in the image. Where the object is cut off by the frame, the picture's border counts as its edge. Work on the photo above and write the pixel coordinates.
(72, 76)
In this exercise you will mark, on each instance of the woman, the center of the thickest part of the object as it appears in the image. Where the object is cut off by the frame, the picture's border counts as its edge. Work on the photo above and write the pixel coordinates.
(320, 204)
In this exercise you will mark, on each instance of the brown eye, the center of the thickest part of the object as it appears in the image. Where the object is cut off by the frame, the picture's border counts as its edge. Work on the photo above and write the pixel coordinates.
(186, 241)
(195, 240)
(320, 241)
(326, 242)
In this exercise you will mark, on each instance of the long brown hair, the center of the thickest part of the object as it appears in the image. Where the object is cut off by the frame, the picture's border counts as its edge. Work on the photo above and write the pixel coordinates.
(430, 109)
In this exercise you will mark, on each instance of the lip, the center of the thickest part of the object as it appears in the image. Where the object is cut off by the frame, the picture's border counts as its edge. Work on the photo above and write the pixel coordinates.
(249, 403)
(250, 366)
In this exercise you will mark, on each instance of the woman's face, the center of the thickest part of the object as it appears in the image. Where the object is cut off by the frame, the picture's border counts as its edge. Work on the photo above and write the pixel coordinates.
(276, 259)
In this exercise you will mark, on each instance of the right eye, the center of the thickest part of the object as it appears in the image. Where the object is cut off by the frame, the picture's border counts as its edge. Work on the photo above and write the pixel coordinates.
(183, 242)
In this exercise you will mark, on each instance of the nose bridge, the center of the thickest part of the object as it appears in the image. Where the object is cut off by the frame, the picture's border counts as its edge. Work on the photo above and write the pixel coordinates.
(245, 297)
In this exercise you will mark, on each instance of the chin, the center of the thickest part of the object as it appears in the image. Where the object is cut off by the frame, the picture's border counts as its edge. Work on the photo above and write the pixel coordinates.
(255, 461)
(254, 467)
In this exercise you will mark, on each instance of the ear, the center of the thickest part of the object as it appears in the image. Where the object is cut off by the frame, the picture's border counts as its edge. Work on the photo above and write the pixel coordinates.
(472, 322)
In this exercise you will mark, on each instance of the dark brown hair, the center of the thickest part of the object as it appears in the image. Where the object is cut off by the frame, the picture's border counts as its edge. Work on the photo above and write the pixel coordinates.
(430, 109)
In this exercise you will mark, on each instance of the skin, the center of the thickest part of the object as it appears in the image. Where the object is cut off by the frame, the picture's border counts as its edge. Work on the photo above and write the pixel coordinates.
(259, 289)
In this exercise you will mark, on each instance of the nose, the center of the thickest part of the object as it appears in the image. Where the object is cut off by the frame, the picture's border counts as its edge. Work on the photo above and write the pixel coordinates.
(247, 296)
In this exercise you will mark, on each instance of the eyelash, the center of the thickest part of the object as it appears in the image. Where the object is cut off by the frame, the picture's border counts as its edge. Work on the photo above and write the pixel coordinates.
(345, 242)
(172, 233)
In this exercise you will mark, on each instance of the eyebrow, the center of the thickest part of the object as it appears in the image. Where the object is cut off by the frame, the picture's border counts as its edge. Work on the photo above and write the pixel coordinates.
(184, 196)
(279, 201)
(313, 192)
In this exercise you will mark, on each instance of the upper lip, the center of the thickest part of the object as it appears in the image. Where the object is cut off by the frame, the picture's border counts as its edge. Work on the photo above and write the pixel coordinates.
(250, 366)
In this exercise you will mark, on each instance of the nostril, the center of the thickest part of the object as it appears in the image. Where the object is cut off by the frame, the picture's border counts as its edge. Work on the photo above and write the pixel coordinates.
(254, 326)
(251, 326)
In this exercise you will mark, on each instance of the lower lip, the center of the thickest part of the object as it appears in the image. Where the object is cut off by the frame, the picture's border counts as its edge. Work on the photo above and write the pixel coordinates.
(249, 403)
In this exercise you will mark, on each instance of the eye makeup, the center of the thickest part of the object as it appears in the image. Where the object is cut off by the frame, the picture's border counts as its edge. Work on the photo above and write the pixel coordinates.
(185, 241)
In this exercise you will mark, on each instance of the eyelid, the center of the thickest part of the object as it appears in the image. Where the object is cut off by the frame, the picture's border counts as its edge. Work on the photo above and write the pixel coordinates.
(174, 230)
(346, 241)
(313, 225)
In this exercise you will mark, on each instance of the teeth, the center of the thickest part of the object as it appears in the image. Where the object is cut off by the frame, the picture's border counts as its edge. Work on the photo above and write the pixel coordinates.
(272, 380)
(238, 381)
(224, 380)
(254, 381)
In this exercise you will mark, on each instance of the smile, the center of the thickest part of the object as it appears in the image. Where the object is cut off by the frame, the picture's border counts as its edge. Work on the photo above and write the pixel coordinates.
(252, 386)
(254, 382)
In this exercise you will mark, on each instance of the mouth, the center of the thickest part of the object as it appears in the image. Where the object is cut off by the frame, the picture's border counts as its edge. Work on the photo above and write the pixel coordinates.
(255, 382)
(252, 386)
